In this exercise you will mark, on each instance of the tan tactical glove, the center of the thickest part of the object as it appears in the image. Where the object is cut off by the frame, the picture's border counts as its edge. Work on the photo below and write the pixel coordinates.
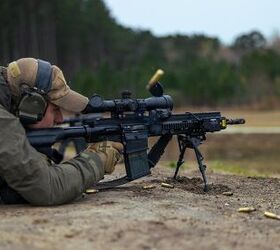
(109, 152)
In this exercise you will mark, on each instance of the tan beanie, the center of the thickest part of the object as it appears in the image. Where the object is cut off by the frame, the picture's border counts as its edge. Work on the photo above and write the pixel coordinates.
(24, 71)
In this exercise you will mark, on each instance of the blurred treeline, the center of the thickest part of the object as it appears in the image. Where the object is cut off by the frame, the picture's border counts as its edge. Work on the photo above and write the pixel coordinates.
(98, 55)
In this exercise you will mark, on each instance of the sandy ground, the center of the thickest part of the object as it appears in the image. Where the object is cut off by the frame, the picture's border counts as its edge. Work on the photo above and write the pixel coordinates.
(131, 217)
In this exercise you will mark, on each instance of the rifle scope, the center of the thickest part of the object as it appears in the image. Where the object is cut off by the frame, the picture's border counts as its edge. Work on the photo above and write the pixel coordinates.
(126, 104)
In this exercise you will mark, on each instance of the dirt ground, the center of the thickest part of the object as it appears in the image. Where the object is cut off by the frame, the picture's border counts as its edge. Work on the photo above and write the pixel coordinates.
(130, 217)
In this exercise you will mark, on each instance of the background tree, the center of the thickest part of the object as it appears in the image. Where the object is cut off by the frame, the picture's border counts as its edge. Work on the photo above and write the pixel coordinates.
(99, 55)
(251, 41)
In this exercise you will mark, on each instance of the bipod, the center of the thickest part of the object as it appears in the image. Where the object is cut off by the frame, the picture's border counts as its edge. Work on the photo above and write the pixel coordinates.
(184, 142)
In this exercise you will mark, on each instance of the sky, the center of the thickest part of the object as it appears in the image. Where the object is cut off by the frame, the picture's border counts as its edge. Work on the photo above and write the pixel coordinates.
(225, 19)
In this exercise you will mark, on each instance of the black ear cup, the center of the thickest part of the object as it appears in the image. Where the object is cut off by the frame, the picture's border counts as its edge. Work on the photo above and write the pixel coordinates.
(33, 103)
(32, 107)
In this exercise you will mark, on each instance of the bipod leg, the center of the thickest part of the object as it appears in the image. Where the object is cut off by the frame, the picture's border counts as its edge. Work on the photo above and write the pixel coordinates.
(182, 148)
(201, 166)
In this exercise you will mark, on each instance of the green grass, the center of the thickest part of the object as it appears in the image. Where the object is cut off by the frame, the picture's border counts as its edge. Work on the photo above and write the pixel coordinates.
(243, 168)
(172, 164)
(236, 168)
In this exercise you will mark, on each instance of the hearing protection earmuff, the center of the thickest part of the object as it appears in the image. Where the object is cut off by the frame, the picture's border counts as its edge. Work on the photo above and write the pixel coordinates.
(33, 103)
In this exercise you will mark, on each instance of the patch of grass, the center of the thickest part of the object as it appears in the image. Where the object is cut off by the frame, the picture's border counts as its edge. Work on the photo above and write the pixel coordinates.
(173, 165)
(242, 168)
(235, 168)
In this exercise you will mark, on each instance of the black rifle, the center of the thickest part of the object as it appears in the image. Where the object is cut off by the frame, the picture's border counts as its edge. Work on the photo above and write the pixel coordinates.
(132, 122)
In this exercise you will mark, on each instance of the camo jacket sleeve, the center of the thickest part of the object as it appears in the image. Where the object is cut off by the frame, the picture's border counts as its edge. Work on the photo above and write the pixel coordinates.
(32, 175)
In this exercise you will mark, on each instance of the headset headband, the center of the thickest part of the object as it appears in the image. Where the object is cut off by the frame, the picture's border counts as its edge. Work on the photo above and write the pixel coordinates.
(44, 76)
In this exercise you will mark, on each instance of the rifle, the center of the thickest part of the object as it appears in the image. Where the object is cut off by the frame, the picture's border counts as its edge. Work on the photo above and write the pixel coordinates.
(132, 122)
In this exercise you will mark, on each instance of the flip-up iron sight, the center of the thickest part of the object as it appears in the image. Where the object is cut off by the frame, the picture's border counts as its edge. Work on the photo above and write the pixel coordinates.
(126, 104)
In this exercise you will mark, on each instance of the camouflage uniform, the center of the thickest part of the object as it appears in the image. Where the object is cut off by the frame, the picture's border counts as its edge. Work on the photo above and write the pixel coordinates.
(32, 175)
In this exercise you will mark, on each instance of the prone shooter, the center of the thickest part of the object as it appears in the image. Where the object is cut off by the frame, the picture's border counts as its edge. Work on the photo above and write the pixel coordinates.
(131, 123)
